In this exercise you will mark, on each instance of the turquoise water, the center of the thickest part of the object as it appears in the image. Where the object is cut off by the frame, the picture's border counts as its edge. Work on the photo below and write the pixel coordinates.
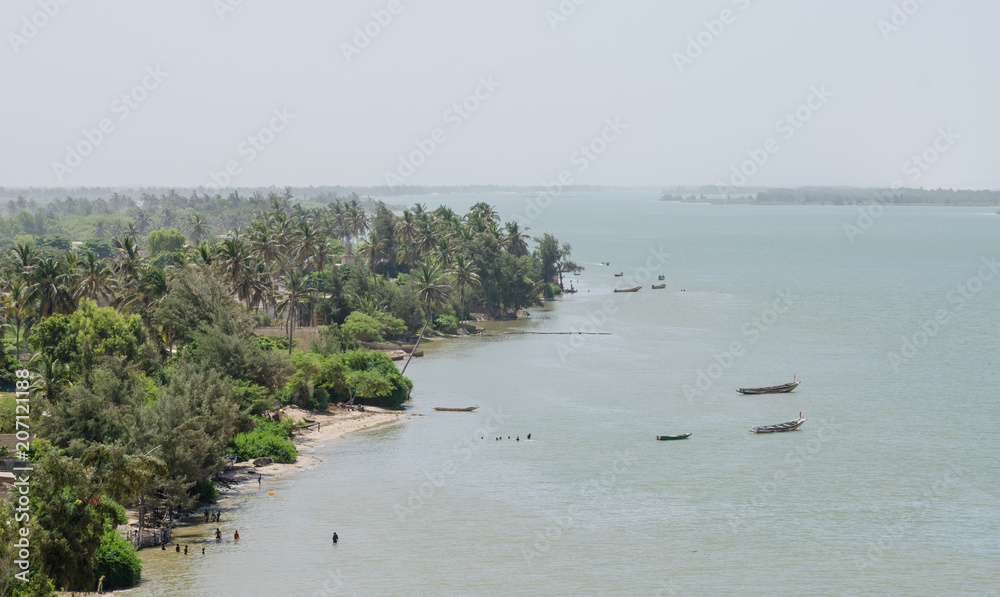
(890, 488)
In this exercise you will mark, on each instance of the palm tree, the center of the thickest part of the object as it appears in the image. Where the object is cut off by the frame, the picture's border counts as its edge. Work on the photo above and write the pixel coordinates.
(290, 301)
(15, 308)
(514, 240)
(232, 256)
(371, 250)
(430, 292)
(94, 277)
(51, 377)
(463, 272)
(150, 288)
(48, 288)
(197, 228)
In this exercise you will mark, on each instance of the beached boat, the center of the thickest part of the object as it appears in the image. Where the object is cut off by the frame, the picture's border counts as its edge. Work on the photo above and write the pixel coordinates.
(786, 426)
(464, 410)
(620, 274)
(308, 420)
(658, 286)
(636, 289)
(785, 387)
(664, 438)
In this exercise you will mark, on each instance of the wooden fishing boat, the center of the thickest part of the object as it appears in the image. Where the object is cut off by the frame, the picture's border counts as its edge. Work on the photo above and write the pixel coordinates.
(786, 426)
(636, 289)
(308, 420)
(464, 410)
(783, 388)
(605, 263)
(658, 286)
(664, 438)
(620, 274)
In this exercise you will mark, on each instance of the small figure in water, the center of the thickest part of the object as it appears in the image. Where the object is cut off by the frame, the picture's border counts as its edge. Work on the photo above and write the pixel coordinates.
(236, 536)
(178, 550)
(218, 534)
(163, 547)
(529, 436)
(202, 551)
(185, 550)
(258, 480)
(335, 537)
(206, 514)
(518, 438)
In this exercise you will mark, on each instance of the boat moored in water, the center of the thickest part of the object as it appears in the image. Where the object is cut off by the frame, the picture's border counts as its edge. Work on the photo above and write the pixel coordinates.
(780, 389)
(658, 286)
(636, 289)
(464, 410)
(786, 426)
(664, 438)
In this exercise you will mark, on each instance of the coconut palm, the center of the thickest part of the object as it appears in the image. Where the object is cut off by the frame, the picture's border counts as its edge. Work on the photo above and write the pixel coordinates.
(463, 273)
(94, 279)
(197, 228)
(291, 299)
(371, 250)
(50, 377)
(15, 311)
(48, 288)
(515, 240)
(431, 291)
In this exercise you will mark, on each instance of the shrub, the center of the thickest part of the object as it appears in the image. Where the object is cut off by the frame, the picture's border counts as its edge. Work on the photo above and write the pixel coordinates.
(447, 324)
(205, 491)
(362, 327)
(117, 561)
(269, 439)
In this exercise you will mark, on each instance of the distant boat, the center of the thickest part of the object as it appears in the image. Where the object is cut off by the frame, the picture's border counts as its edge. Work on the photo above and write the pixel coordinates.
(786, 426)
(464, 410)
(783, 388)
(619, 275)
(307, 420)
(605, 263)
(661, 277)
(664, 438)
(658, 286)
(636, 289)
(569, 290)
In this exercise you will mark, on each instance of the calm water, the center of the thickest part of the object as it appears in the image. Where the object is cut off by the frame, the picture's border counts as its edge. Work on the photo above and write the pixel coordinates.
(890, 488)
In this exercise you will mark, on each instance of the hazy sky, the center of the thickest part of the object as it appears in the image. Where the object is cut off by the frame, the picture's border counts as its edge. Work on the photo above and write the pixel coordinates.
(657, 92)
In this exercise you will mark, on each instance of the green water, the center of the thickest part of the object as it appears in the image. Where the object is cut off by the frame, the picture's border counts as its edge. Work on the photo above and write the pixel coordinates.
(891, 487)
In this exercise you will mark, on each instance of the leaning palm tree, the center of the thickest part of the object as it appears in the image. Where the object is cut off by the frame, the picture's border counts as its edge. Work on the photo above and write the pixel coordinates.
(431, 291)
(291, 299)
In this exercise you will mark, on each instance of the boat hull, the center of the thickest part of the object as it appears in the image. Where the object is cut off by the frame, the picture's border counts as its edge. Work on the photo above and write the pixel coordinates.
(462, 410)
(658, 286)
(782, 389)
(636, 289)
(780, 427)
(666, 438)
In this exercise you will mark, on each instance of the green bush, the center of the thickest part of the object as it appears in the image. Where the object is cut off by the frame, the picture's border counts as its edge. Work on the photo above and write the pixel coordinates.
(362, 327)
(117, 562)
(205, 491)
(269, 439)
(447, 324)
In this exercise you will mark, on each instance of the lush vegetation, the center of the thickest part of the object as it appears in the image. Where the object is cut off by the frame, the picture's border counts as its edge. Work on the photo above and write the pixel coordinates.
(141, 322)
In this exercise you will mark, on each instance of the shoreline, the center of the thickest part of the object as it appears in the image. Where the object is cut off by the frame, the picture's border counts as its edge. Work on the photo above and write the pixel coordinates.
(329, 425)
